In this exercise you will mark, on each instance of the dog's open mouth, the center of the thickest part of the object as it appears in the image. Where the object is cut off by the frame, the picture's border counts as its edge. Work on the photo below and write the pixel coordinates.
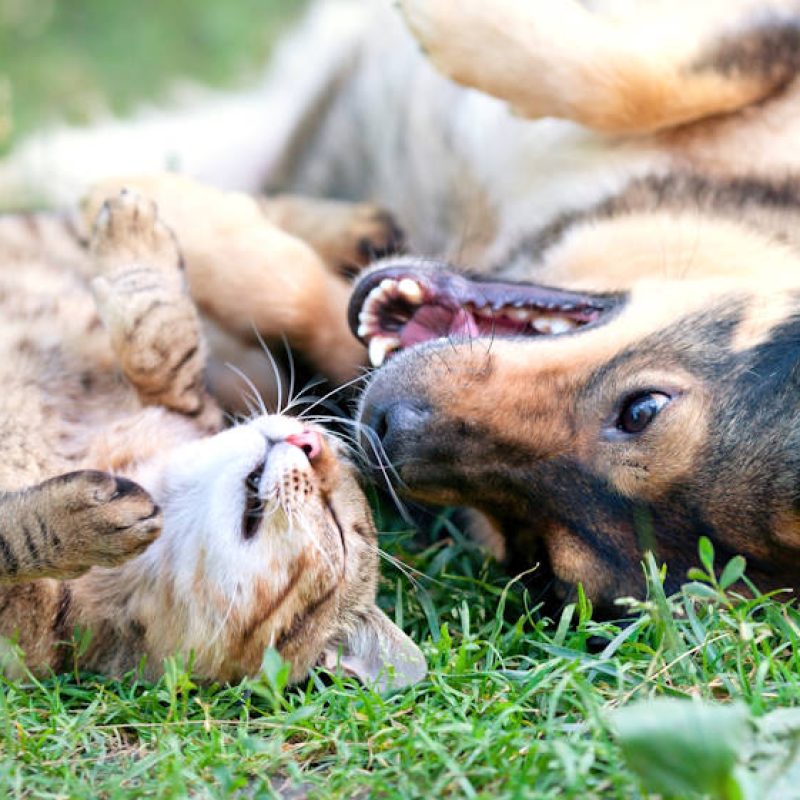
(404, 304)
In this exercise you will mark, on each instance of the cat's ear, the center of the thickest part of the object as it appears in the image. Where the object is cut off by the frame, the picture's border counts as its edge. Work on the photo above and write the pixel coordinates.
(378, 653)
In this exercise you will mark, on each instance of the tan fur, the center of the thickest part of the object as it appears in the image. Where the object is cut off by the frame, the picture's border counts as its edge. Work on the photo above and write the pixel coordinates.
(618, 76)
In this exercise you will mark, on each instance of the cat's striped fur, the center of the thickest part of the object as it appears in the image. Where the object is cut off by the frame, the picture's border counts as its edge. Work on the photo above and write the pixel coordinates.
(126, 510)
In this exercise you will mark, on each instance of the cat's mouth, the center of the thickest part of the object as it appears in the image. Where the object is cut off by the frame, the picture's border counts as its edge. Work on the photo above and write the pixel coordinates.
(254, 504)
(407, 302)
(293, 488)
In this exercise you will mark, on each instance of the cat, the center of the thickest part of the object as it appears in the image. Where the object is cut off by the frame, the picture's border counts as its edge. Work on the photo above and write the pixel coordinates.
(127, 510)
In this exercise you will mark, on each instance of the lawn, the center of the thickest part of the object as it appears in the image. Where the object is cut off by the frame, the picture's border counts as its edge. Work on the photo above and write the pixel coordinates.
(516, 704)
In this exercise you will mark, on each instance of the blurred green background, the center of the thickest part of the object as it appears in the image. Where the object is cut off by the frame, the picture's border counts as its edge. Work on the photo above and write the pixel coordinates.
(73, 60)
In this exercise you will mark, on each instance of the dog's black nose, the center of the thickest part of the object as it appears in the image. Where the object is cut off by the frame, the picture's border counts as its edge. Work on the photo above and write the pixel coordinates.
(395, 422)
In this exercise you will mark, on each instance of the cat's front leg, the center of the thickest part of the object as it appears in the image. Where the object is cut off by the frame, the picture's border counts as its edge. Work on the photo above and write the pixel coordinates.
(142, 298)
(63, 526)
(250, 276)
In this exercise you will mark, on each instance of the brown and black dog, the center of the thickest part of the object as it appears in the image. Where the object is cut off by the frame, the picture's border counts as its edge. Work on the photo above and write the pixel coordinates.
(645, 390)
(613, 365)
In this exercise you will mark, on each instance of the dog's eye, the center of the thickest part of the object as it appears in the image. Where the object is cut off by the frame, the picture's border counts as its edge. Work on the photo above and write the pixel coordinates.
(640, 410)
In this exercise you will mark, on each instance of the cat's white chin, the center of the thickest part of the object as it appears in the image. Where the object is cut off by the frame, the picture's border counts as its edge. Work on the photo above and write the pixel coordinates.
(214, 562)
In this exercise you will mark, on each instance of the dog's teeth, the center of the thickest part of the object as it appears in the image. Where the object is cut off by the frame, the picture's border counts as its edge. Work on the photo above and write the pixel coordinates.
(367, 317)
(363, 330)
(486, 311)
(380, 347)
(517, 314)
(553, 325)
(375, 301)
(410, 290)
(562, 324)
(542, 324)
(388, 286)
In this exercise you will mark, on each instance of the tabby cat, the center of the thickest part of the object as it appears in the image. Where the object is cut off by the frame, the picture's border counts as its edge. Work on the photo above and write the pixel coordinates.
(127, 510)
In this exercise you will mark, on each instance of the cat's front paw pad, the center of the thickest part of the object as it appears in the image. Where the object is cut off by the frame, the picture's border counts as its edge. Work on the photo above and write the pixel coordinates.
(128, 231)
(112, 518)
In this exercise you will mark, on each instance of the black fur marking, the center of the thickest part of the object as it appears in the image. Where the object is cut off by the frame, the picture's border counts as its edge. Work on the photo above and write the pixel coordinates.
(47, 534)
(675, 192)
(125, 488)
(302, 619)
(183, 361)
(10, 559)
(337, 524)
(32, 549)
(136, 323)
(769, 50)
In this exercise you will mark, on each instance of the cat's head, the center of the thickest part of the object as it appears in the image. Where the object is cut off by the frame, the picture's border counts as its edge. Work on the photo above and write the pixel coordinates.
(268, 541)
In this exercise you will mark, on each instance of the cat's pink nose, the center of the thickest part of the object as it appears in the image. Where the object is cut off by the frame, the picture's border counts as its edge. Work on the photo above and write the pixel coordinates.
(310, 442)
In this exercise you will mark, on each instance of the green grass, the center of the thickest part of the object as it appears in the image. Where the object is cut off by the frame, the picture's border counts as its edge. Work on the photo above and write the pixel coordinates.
(74, 59)
(516, 705)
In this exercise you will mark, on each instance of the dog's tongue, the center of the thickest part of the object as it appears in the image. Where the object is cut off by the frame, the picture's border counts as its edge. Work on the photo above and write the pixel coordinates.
(463, 324)
(434, 322)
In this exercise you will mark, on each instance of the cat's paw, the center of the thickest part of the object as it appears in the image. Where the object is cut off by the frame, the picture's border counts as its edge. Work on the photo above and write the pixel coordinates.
(128, 232)
(103, 519)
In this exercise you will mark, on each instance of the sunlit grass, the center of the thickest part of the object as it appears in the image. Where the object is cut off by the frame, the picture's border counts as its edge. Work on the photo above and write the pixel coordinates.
(516, 705)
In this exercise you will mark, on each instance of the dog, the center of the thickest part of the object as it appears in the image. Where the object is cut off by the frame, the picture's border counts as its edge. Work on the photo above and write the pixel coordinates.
(598, 352)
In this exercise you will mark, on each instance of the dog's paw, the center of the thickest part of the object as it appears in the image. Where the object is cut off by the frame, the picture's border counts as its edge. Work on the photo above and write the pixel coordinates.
(100, 519)
(370, 233)
(127, 231)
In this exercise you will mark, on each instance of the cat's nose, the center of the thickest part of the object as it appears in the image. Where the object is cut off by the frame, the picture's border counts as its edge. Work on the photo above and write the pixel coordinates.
(309, 441)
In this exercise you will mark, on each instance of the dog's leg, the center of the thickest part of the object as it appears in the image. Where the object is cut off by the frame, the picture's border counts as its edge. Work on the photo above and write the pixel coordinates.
(250, 276)
(347, 236)
(632, 76)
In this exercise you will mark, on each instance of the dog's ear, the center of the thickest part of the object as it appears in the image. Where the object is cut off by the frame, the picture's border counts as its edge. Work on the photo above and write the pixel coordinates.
(378, 653)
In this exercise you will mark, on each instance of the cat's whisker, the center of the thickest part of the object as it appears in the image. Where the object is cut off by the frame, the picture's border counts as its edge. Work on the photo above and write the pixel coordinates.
(220, 627)
(380, 461)
(405, 569)
(280, 408)
(311, 540)
(292, 371)
(385, 466)
(346, 385)
(256, 395)
(351, 439)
